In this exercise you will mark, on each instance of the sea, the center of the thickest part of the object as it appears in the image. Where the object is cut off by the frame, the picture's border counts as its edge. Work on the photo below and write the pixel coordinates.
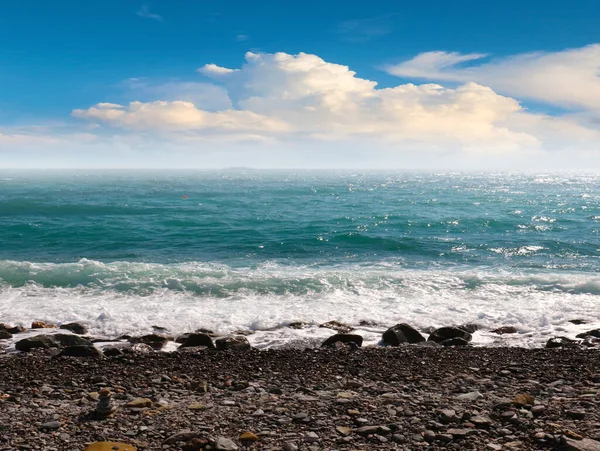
(255, 251)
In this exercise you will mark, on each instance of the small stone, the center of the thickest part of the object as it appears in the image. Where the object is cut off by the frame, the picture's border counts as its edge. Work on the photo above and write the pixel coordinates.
(429, 436)
(458, 433)
(311, 437)
(224, 444)
(289, 446)
(110, 446)
(481, 422)
(196, 406)
(471, 396)
(42, 325)
(367, 430)
(51, 425)
(585, 444)
(576, 414)
(344, 431)
(344, 339)
(76, 328)
(523, 399)
(248, 437)
(237, 342)
(139, 402)
(505, 330)
(538, 410)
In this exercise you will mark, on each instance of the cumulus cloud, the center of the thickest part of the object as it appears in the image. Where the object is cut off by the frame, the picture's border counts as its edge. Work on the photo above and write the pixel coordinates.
(569, 78)
(290, 97)
(177, 116)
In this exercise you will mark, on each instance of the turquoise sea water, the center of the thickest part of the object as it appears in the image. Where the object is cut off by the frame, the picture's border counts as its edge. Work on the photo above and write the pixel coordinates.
(258, 249)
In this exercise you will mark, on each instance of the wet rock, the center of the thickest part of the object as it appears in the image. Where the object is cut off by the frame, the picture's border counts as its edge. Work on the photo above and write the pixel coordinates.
(76, 328)
(337, 326)
(298, 325)
(343, 338)
(198, 339)
(560, 342)
(42, 325)
(155, 341)
(590, 333)
(504, 330)
(578, 322)
(51, 341)
(80, 351)
(237, 342)
(17, 330)
(470, 328)
(5, 334)
(447, 333)
(455, 342)
(401, 333)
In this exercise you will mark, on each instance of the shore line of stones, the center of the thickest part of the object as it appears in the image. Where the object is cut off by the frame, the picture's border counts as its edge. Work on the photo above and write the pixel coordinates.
(400, 334)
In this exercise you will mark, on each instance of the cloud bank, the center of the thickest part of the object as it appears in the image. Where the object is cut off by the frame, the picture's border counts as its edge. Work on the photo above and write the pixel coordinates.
(302, 110)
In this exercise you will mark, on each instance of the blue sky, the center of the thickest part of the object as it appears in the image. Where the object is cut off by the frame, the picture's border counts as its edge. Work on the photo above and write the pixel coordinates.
(65, 56)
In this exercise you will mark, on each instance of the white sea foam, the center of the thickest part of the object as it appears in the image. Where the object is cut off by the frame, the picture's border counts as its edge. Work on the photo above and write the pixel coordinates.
(120, 298)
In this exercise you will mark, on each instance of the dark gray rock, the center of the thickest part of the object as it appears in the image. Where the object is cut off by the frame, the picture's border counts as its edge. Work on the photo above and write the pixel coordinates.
(155, 341)
(236, 342)
(590, 333)
(446, 333)
(5, 334)
(455, 342)
(76, 328)
(469, 327)
(560, 342)
(343, 338)
(51, 341)
(401, 333)
(337, 326)
(200, 339)
(80, 351)
(504, 330)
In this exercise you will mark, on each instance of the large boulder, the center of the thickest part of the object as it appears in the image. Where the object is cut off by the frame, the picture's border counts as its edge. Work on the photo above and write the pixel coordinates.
(446, 333)
(198, 339)
(51, 341)
(76, 328)
(401, 333)
(236, 342)
(344, 339)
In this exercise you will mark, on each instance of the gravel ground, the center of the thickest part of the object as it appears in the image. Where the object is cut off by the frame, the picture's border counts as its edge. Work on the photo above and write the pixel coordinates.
(410, 397)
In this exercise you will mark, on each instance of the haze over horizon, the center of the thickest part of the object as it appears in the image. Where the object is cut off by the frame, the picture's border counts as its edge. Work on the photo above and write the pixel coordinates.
(163, 85)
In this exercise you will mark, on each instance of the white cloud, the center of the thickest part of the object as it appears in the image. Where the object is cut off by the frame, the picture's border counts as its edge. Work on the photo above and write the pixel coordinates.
(178, 116)
(283, 110)
(282, 96)
(569, 78)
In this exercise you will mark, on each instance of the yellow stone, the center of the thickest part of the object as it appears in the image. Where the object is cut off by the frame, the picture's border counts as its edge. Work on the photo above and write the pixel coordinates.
(249, 437)
(139, 402)
(522, 399)
(110, 446)
(572, 434)
(196, 406)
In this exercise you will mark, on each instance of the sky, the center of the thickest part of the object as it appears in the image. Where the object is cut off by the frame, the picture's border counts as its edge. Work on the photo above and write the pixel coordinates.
(460, 84)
